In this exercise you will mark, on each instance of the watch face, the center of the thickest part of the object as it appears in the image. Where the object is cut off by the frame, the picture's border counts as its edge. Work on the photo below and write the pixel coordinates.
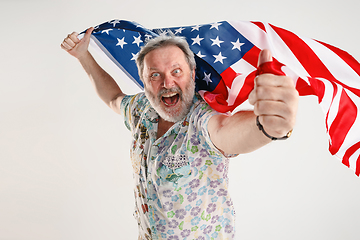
(289, 133)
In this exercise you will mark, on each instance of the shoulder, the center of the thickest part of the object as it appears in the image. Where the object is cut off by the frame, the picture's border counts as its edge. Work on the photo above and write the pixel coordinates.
(130, 102)
(201, 109)
(132, 107)
(200, 114)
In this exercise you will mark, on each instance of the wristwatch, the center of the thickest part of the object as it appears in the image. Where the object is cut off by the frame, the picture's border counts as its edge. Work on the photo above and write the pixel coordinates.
(261, 128)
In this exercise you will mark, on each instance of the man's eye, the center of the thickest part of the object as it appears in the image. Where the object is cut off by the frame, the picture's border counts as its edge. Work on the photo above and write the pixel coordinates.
(155, 75)
(177, 71)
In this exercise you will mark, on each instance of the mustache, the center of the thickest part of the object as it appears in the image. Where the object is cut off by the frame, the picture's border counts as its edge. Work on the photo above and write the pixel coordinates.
(175, 89)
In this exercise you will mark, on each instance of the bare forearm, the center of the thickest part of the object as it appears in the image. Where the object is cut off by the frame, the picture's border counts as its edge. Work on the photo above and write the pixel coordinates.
(104, 84)
(275, 102)
(237, 134)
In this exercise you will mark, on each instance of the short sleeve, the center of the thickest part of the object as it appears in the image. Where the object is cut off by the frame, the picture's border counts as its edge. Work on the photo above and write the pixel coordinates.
(125, 109)
(204, 120)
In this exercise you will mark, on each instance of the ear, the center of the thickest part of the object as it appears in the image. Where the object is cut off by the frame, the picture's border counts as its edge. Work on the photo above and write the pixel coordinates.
(193, 74)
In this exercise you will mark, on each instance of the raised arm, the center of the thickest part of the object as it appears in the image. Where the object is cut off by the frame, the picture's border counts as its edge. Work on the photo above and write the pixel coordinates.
(104, 84)
(275, 101)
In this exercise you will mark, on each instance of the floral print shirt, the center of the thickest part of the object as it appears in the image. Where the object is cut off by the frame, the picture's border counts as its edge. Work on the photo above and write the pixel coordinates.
(181, 182)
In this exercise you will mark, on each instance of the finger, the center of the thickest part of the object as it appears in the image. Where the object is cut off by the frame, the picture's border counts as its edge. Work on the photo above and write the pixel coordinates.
(252, 97)
(271, 108)
(73, 37)
(66, 46)
(69, 42)
(272, 93)
(88, 34)
(274, 80)
(286, 95)
(264, 56)
(62, 45)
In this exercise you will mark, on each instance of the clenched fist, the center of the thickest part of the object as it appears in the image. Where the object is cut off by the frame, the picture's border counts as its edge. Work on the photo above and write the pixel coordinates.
(275, 100)
(74, 46)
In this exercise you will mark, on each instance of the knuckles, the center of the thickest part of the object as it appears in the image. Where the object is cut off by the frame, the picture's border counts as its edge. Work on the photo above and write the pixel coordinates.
(275, 100)
(271, 87)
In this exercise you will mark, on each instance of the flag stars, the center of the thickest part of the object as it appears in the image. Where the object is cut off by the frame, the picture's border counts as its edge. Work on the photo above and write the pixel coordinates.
(197, 40)
(200, 55)
(138, 25)
(121, 42)
(207, 78)
(179, 30)
(134, 56)
(106, 31)
(216, 41)
(237, 45)
(148, 36)
(137, 40)
(219, 58)
(114, 22)
(196, 28)
(215, 25)
(163, 33)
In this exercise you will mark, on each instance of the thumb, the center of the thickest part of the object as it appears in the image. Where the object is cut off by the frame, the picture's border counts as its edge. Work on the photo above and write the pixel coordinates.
(87, 35)
(264, 56)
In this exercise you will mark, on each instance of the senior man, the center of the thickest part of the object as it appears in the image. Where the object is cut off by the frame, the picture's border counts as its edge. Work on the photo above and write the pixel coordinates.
(181, 146)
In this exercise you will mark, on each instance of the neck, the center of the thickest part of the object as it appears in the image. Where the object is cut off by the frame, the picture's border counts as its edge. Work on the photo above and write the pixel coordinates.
(163, 127)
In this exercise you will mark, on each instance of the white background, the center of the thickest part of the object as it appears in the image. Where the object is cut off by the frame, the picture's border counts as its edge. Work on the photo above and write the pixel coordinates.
(65, 173)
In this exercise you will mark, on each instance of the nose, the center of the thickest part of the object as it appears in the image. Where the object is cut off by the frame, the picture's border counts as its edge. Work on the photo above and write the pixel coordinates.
(169, 81)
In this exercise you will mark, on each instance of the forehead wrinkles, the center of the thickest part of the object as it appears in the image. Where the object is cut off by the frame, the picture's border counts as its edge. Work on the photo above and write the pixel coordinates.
(176, 65)
(165, 56)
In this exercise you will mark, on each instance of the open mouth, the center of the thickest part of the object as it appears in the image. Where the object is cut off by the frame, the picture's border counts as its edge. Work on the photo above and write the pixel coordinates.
(170, 99)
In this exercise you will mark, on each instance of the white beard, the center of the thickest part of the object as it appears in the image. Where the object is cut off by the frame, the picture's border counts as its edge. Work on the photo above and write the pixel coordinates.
(178, 113)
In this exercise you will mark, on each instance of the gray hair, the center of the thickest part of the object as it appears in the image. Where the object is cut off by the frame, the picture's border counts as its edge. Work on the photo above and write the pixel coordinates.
(163, 41)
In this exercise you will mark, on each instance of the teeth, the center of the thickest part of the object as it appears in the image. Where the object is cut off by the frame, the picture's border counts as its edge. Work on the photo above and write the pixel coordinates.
(169, 94)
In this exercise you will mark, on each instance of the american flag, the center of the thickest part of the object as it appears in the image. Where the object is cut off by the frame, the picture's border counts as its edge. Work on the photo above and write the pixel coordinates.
(226, 54)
